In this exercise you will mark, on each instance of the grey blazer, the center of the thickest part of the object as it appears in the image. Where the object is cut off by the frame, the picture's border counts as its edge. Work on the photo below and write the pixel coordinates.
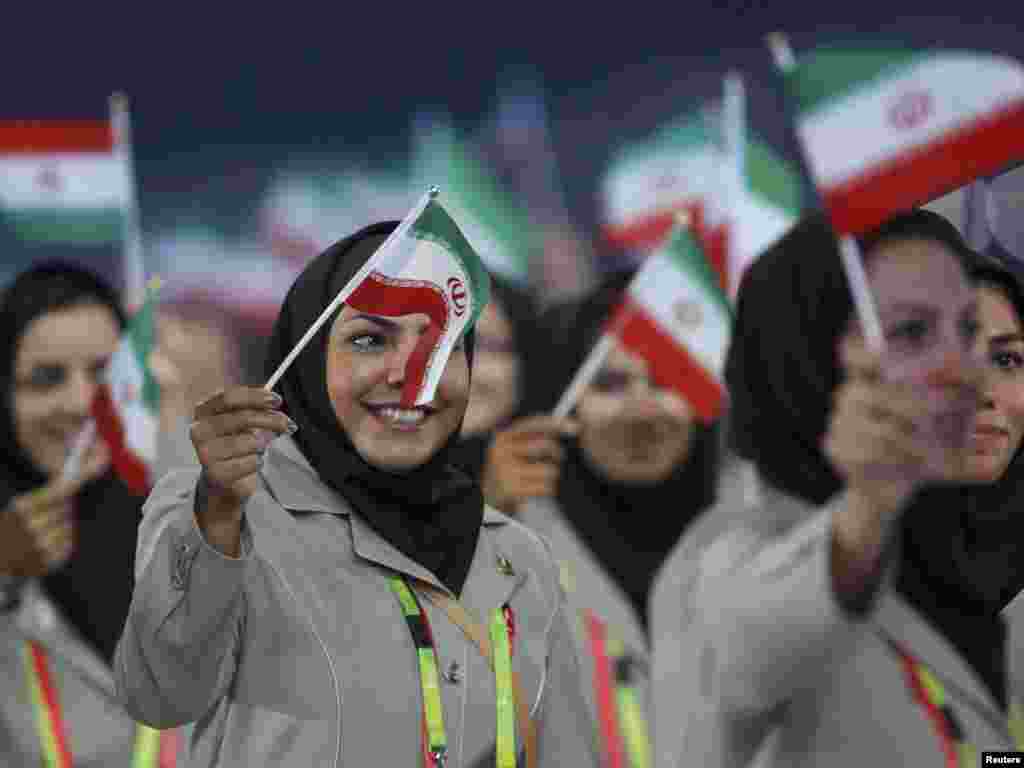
(588, 587)
(100, 733)
(751, 643)
(297, 653)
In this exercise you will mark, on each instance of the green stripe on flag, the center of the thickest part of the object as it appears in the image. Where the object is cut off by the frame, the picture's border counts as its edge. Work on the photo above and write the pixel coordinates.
(479, 194)
(833, 74)
(687, 254)
(142, 332)
(435, 225)
(773, 180)
(88, 227)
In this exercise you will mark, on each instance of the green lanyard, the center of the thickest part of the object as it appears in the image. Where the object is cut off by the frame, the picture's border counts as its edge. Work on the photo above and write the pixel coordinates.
(435, 739)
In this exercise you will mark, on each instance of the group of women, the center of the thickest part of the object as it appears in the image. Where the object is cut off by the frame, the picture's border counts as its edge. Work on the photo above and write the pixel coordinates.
(830, 574)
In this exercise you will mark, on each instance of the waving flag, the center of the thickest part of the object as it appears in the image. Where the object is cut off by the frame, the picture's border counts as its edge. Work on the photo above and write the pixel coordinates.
(677, 318)
(650, 183)
(426, 266)
(889, 130)
(499, 230)
(127, 403)
(63, 181)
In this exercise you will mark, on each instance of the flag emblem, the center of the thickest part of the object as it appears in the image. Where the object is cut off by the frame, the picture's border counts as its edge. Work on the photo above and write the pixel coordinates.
(911, 110)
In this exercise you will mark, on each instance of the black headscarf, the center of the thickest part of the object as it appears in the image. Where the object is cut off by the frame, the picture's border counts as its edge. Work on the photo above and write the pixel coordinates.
(433, 513)
(629, 528)
(794, 304)
(94, 588)
(528, 343)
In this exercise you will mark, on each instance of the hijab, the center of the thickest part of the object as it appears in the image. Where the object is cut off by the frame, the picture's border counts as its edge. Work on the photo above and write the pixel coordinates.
(781, 399)
(523, 316)
(93, 589)
(433, 513)
(602, 512)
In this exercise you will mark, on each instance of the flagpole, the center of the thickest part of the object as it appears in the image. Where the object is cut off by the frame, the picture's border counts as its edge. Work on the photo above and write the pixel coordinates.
(853, 262)
(585, 375)
(134, 267)
(350, 287)
(734, 122)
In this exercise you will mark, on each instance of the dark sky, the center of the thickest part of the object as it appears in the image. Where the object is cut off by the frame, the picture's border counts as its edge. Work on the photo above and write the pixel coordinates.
(214, 85)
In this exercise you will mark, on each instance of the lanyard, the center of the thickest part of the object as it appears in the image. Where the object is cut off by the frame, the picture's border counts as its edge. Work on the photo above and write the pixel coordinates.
(929, 692)
(620, 718)
(500, 633)
(153, 749)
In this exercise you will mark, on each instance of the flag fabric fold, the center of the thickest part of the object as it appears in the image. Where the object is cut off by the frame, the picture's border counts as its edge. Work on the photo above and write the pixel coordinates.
(888, 130)
(63, 181)
(126, 407)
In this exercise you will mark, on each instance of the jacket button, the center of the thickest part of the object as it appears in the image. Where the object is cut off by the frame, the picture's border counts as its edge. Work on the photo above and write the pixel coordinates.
(181, 564)
(454, 673)
(505, 567)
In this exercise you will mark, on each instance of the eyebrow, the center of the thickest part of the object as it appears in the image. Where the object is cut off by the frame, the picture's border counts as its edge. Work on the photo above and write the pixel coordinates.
(381, 321)
(1006, 338)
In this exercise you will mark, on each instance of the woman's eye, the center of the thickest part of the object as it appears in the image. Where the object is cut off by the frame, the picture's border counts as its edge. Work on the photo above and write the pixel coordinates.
(611, 381)
(367, 341)
(46, 376)
(1008, 360)
(912, 331)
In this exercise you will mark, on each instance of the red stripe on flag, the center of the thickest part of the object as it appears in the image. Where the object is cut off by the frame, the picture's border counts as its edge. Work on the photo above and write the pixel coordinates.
(651, 231)
(45, 136)
(982, 147)
(379, 295)
(607, 718)
(129, 467)
(672, 366)
(52, 704)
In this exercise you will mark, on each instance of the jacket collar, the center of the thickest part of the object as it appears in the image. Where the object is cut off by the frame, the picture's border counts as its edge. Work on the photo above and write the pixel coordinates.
(295, 485)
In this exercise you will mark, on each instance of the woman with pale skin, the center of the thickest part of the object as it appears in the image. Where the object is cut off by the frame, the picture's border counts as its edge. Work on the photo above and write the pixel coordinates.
(639, 468)
(297, 596)
(67, 544)
(508, 442)
(842, 612)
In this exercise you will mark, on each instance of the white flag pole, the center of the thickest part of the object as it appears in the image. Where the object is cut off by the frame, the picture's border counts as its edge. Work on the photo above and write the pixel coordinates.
(350, 287)
(134, 266)
(853, 263)
(734, 127)
(585, 375)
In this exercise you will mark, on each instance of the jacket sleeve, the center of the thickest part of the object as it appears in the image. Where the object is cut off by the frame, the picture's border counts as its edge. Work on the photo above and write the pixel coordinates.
(177, 653)
(766, 621)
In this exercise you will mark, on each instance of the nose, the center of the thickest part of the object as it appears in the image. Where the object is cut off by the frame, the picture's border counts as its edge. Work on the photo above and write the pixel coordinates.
(399, 360)
(956, 369)
(79, 393)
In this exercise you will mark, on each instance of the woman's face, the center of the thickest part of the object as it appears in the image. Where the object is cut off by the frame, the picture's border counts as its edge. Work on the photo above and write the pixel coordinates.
(57, 367)
(366, 357)
(494, 393)
(928, 313)
(631, 431)
(999, 423)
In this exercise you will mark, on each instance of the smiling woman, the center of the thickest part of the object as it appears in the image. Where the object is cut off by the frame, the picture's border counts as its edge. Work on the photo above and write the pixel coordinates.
(310, 589)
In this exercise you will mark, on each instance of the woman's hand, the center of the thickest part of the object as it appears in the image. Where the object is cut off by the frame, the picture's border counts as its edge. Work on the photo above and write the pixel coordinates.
(524, 461)
(876, 443)
(231, 432)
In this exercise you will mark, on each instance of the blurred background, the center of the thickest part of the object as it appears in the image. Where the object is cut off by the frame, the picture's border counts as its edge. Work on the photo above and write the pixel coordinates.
(263, 133)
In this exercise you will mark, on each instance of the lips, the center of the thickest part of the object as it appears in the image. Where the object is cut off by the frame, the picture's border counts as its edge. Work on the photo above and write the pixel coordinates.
(393, 414)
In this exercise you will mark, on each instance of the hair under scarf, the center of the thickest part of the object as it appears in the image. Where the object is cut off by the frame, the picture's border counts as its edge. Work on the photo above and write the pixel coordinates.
(631, 529)
(433, 513)
(794, 305)
(93, 589)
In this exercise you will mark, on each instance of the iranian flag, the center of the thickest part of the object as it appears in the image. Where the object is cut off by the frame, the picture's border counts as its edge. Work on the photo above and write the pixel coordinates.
(426, 266)
(649, 183)
(126, 406)
(63, 181)
(886, 131)
(676, 317)
(499, 230)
